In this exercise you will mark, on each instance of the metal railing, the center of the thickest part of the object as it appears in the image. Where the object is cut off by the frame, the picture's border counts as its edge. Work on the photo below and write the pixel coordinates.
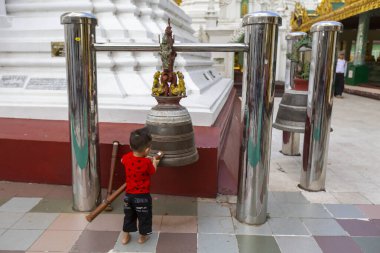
(183, 47)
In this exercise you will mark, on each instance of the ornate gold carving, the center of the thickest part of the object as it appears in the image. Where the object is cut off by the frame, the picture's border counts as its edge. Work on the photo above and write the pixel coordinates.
(180, 89)
(324, 7)
(348, 2)
(165, 81)
(351, 8)
(179, 2)
(299, 16)
(160, 89)
(157, 88)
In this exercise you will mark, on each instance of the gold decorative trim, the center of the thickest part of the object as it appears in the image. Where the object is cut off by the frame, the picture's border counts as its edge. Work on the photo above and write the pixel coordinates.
(178, 2)
(348, 2)
(326, 6)
(349, 10)
(299, 16)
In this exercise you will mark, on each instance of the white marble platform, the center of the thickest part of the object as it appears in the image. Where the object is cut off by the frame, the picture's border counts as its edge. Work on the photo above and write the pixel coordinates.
(32, 82)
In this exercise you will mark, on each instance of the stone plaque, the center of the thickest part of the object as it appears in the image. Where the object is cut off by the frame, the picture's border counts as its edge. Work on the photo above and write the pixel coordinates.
(47, 84)
(12, 81)
(219, 60)
(57, 49)
(350, 74)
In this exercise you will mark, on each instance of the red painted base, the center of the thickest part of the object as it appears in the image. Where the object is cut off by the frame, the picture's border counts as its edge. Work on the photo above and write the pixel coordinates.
(301, 84)
(38, 151)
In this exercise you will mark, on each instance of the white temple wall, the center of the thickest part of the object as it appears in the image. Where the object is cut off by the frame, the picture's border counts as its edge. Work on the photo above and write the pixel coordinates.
(228, 12)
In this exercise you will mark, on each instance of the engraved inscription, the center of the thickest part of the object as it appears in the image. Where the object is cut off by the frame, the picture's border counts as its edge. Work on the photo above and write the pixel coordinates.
(12, 81)
(205, 76)
(212, 74)
(47, 84)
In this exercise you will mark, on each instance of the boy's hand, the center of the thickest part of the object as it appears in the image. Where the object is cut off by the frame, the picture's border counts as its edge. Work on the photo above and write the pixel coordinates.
(156, 159)
(159, 155)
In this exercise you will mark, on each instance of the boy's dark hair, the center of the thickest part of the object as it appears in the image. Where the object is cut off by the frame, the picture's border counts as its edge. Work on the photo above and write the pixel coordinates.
(140, 139)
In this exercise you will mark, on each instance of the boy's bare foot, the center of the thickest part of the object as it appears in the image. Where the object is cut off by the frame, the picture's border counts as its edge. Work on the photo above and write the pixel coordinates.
(143, 238)
(126, 238)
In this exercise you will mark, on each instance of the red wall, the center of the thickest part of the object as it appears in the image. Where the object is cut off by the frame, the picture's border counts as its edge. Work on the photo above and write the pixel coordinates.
(38, 151)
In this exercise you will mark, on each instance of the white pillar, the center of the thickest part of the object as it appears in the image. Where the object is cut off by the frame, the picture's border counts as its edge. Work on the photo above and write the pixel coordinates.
(361, 39)
(281, 46)
(251, 6)
(237, 9)
(4, 20)
(3, 10)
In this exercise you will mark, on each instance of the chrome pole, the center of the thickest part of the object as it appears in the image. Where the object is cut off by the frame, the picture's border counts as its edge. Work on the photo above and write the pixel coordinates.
(291, 140)
(180, 47)
(257, 110)
(319, 105)
(83, 108)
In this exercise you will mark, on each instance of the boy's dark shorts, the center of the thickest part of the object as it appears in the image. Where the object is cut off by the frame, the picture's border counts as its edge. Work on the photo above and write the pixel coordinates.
(138, 206)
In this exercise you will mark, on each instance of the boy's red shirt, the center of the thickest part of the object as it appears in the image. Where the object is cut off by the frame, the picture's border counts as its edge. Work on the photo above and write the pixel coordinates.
(137, 173)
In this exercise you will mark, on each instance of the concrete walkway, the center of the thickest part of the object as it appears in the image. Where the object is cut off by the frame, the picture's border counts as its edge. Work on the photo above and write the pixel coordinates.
(345, 218)
(353, 174)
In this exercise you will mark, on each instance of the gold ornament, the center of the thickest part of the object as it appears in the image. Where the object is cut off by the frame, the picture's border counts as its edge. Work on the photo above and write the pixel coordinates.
(324, 7)
(158, 88)
(351, 8)
(299, 16)
(179, 89)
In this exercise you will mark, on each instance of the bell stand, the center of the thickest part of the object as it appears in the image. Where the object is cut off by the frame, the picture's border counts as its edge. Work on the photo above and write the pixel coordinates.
(291, 140)
(257, 106)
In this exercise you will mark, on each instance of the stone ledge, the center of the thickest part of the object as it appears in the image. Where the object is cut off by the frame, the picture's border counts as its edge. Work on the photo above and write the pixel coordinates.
(363, 91)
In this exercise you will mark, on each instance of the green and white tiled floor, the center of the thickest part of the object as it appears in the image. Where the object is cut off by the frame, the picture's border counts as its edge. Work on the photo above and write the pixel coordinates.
(343, 219)
(182, 224)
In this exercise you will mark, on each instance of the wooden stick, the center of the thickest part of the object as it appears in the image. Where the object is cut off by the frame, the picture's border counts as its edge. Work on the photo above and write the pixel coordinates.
(112, 171)
(106, 202)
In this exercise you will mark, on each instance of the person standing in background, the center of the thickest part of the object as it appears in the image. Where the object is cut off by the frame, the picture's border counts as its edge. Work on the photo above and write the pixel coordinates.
(340, 72)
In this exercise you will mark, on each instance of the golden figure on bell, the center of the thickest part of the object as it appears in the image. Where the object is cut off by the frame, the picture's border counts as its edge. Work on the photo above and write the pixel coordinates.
(165, 82)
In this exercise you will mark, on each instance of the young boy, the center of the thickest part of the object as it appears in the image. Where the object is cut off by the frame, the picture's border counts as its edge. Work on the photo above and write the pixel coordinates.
(137, 200)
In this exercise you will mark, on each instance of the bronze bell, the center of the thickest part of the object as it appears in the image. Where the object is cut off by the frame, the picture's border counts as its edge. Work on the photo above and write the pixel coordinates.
(291, 113)
(169, 122)
(172, 132)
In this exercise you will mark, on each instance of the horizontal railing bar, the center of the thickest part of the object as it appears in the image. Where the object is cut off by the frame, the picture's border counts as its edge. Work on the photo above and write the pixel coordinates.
(180, 47)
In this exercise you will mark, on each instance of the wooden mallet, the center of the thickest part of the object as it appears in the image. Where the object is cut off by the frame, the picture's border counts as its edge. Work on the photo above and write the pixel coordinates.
(115, 147)
(105, 203)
